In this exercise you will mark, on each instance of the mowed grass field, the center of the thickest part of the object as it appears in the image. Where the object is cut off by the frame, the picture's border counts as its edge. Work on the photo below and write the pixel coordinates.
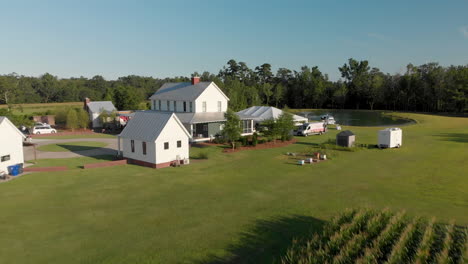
(246, 205)
(40, 107)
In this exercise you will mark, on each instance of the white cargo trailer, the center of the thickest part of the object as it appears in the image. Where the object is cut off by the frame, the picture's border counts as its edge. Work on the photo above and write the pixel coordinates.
(390, 138)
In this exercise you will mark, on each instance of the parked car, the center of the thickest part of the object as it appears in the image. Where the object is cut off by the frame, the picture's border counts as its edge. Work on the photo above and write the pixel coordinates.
(311, 129)
(43, 130)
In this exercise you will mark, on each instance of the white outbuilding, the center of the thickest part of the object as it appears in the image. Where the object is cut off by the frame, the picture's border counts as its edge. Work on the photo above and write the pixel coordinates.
(390, 138)
(154, 139)
(11, 144)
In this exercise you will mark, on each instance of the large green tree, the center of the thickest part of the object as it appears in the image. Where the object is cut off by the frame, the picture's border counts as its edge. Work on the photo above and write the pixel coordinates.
(232, 128)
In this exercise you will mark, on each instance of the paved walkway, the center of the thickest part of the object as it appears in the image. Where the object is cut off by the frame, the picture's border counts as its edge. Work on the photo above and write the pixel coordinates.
(110, 149)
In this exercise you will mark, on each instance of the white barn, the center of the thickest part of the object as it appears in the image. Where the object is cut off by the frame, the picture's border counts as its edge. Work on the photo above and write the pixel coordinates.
(11, 144)
(154, 139)
(95, 109)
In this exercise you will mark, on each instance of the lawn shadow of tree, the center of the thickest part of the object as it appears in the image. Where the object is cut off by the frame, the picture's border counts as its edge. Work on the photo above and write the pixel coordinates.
(454, 137)
(266, 241)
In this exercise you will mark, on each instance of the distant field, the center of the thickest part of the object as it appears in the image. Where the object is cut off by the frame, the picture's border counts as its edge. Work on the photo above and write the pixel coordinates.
(31, 108)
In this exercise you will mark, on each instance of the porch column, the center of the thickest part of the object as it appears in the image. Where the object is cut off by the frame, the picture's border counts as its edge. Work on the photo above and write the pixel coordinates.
(251, 126)
(118, 145)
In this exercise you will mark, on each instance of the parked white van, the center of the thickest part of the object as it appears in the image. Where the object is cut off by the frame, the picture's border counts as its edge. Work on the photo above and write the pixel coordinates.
(37, 130)
(311, 129)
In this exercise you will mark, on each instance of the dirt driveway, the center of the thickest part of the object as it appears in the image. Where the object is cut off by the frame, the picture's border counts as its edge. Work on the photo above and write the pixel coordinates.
(110, 149)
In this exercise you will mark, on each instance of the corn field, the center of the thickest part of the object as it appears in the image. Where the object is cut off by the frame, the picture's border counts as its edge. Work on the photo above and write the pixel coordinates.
(367, 236)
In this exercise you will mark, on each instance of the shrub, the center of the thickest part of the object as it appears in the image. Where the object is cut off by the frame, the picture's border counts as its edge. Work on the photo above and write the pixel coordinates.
(203, 155)
(254, 139)
(244, 141)
(72, 119)
(238, 144)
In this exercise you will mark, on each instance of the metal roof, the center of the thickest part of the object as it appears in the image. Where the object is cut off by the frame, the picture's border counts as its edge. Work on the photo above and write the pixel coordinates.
(183, 91)
(262, 113)
(100, 106)
(148, 125)
(194, 118)
(345, 133)
(4, 119)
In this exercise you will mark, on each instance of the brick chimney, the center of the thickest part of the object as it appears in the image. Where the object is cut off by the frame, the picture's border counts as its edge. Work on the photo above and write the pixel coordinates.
(86, 101)
(195, 80)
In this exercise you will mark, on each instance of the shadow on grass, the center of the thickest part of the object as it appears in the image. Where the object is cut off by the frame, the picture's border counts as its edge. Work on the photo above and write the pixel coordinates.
(454, 137)
(268, 240)
(308, 143)
(74, 148)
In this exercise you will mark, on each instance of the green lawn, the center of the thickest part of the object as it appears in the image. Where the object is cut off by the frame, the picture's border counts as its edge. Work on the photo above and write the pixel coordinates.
(72, 146)
(72, 163)
(246, 205)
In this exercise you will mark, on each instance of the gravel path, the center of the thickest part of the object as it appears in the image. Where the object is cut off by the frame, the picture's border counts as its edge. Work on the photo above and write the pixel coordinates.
(110, 149)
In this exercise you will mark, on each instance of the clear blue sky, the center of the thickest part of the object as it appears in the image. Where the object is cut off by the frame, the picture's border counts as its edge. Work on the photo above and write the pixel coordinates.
(173, 38)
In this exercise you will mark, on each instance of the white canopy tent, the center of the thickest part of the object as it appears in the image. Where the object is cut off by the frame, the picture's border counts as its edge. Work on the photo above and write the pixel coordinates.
(262, 113)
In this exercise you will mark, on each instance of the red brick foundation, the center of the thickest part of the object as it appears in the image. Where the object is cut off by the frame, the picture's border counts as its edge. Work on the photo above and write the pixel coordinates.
(105, 164)
(149, 164)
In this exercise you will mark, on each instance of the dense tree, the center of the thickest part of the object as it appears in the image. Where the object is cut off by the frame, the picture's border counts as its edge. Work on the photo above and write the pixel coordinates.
(428, 87)
(72, 119)
(232, 128)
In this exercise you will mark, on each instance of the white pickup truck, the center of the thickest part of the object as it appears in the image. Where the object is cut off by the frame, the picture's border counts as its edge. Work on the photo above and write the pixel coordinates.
(316, 128)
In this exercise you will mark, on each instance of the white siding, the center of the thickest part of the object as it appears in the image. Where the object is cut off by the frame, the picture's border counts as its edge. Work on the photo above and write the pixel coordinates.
(95, 120)
(211, 96)
(11, 143)
(138, 154)
(172, 133)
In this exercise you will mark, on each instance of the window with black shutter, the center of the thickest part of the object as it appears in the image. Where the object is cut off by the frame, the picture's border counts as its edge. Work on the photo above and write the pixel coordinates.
(143, 146)
(132, 145)
(179, 143)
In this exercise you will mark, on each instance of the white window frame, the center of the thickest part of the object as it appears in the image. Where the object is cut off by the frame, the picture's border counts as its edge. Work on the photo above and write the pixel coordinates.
(191, 107)
(204, 106)
(219, 106)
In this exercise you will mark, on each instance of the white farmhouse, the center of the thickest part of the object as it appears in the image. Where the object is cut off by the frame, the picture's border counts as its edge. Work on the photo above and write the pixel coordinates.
(96, 108)
(11, 144)
(154, 139)
(200, 106)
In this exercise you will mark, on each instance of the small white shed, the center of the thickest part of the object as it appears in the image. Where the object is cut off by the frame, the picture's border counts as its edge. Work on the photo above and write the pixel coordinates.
(11, 144)
(154, 139)
(390, 138)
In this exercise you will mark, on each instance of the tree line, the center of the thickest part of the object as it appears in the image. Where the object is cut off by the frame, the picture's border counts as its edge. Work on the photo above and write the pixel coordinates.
(428, 88)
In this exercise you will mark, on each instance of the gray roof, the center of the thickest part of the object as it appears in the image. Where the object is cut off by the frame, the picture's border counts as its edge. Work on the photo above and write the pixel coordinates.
(147, 125)
(99, 106)
(345, 133)
(262, 113)
(183, 91)
(194, 118)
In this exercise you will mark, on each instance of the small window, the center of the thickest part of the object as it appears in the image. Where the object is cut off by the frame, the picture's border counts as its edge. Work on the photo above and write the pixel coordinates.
(179, 143)
(132, 145)
(159, 102)
(5, 158)
(175, 106)
(185, 106)
(219, 106)
(168, 105)
(143, 146)
(154, 105)
(204, 106)
(190, 107)
(166, 145)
